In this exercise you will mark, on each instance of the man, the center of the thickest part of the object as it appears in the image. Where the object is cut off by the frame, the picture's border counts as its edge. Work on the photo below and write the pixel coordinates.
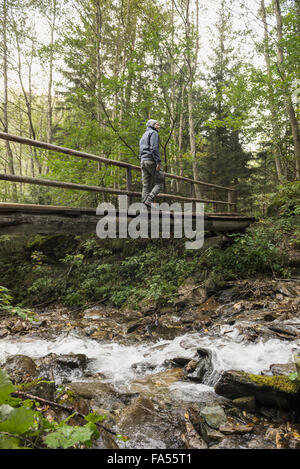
(150, 163)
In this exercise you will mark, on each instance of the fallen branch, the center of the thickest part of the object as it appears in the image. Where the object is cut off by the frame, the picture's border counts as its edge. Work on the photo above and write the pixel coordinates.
(25, 395)
(27, 440)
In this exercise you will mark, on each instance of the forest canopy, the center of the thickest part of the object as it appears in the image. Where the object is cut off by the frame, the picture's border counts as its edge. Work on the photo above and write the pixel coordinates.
(88, 74)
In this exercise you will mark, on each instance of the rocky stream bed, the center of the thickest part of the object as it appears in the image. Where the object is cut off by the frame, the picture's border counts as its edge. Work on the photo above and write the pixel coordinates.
(213, 370)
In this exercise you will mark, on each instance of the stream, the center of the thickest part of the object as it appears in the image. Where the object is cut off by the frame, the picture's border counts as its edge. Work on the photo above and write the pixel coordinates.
(141, 380)
(121, 364)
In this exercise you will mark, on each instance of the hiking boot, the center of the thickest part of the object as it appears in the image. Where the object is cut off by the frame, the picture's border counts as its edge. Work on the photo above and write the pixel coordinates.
(150, 205)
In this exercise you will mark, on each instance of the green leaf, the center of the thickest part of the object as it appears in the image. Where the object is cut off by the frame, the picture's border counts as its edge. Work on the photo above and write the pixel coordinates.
(8, 442)
(293, 376)
(6, 386)
(93, 417)
(67, 436)
(5, 411)
(19, 421)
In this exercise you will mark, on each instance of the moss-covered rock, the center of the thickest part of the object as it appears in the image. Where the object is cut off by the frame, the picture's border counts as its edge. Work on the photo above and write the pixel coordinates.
(272, 391)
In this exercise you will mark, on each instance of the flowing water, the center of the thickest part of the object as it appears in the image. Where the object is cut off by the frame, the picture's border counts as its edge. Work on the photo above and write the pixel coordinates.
(121, 364)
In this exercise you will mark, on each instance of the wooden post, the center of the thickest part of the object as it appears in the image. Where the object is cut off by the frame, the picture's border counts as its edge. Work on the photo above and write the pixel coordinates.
(128, 184)
(193, 196)
(231, 201)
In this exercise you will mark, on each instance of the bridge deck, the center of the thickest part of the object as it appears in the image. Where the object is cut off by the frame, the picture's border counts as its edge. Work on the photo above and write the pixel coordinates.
(16, 219)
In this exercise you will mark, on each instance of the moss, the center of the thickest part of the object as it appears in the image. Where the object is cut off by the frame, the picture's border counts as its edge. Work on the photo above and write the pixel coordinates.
(278, 383)
(31, 384)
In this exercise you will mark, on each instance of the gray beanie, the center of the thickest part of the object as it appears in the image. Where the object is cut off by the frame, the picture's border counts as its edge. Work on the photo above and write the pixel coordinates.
(151, 123)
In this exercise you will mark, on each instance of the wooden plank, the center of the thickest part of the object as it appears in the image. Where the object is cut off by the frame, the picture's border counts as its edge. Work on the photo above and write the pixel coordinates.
(15, 207)
(19, 223)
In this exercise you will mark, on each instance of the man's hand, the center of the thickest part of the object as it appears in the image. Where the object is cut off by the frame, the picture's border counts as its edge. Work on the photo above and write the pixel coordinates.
(158, 167)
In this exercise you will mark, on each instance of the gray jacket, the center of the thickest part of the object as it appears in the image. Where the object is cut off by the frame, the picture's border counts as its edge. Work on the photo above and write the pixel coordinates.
(149, 146)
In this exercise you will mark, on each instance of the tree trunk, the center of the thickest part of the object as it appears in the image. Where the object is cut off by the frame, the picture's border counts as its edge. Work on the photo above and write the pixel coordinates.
(289, 105)
(272, 106)
(9, 154)
(192, 64)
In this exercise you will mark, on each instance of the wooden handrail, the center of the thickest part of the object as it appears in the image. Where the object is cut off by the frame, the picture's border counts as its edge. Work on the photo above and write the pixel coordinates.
(100, 159)
(107, 190)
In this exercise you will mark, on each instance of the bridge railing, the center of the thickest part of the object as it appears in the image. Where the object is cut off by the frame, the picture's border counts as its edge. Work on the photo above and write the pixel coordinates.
(228, 204)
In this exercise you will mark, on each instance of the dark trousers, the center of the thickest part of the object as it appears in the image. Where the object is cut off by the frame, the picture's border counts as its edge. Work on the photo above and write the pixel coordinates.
(152, 180)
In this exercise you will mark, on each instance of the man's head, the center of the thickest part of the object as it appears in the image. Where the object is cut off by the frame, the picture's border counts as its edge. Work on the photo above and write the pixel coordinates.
(153, 123)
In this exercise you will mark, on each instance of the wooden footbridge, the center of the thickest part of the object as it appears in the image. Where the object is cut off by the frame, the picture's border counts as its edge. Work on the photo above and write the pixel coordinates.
(17, 218)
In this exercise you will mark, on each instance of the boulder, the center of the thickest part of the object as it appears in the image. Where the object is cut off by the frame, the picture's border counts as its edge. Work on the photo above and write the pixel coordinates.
(101, 395)
(269, 391)
(151, 424)
(62, 368)
(20, 368)
(41, 388)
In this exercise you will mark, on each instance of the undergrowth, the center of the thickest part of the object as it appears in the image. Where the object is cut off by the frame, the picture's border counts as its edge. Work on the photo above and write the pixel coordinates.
(80, 270)
(23, 425)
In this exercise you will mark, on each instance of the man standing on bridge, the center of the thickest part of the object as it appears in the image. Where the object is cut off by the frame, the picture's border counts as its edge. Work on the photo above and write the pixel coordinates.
(150, 163)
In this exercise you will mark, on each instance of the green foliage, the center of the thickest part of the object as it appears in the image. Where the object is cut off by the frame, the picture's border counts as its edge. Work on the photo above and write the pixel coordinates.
(21, 426)
(286, 202)
(126, 272)
(5, 305)
(66, 436)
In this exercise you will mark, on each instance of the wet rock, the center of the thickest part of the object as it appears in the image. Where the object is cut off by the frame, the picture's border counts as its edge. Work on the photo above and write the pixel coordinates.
(4, 332)
(149, 424)
(20, 368)
(41, 388)
(214, 416)
(72, 360)
(269, 391)
(62, 368)
(101, 395)
(230, 429)
(285, 331)
(90, 330)
(179, 361)
(143, 367)
(203, 366)
(191, 366)
(245, 403)
(191, 437)
(151, 383)
(209, 434)
(282, 369)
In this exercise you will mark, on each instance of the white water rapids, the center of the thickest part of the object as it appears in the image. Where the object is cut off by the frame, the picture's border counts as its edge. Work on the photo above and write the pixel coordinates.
(115, 360)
